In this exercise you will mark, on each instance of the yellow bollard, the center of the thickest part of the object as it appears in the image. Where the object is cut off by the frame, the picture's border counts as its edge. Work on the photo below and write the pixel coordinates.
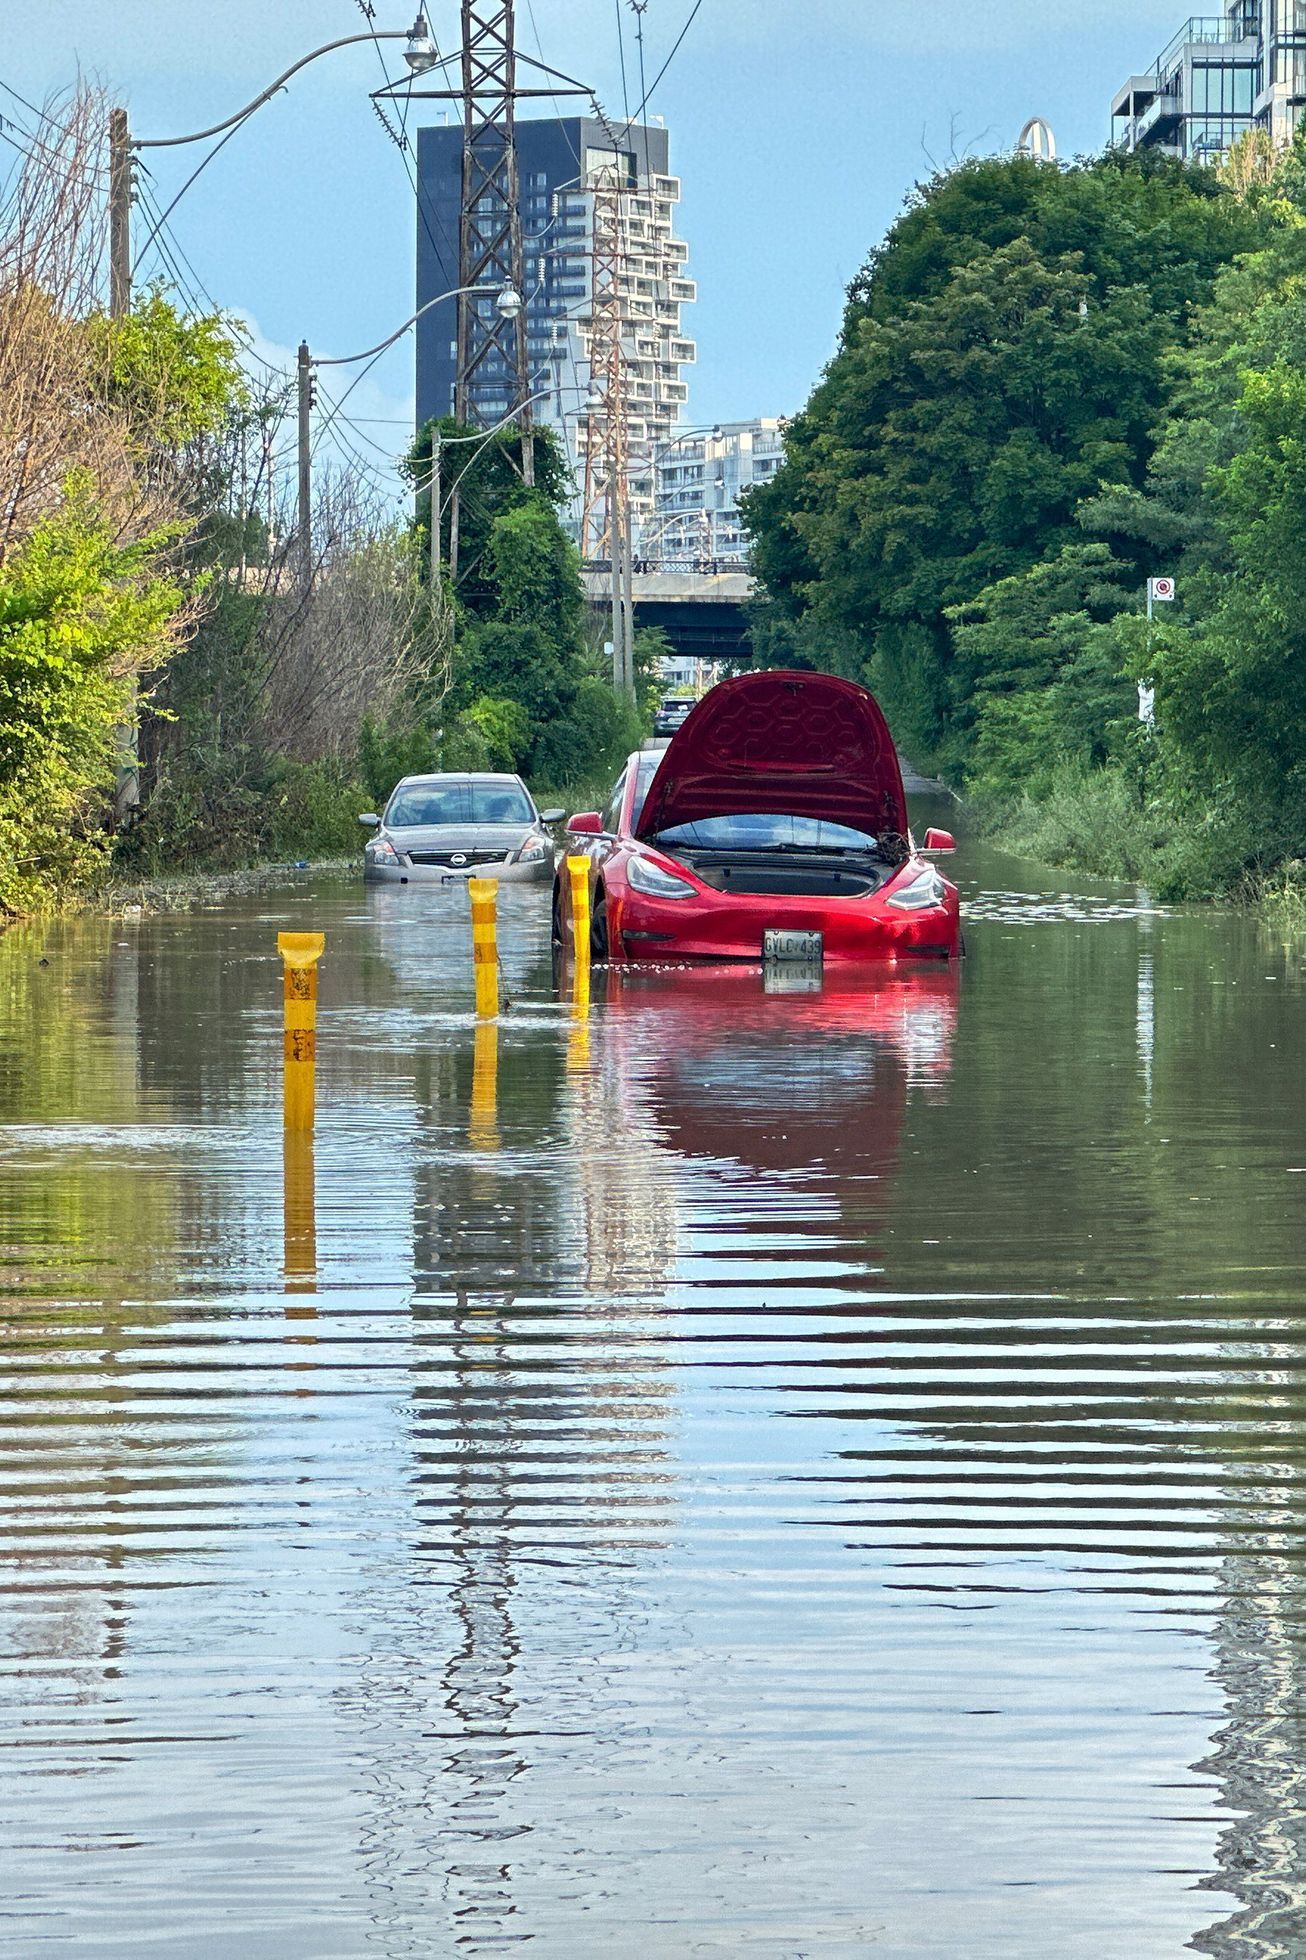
(483, 1129)
(300, 953)
(485, 944)
(578, 874)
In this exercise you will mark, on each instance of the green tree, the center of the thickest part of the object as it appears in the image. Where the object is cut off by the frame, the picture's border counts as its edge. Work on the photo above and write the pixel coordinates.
(1041, 670)
(1004, 355)
(524, 694)
(176, 376)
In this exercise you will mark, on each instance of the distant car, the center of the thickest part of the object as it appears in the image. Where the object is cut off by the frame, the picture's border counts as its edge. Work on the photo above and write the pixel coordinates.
(671, 713)
(442, 829)
(772, 828)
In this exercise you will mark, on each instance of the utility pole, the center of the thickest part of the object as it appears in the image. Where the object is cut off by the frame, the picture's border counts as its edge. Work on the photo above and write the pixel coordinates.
(127, 790)
(435, 514)
(304, 534)
(120, 215)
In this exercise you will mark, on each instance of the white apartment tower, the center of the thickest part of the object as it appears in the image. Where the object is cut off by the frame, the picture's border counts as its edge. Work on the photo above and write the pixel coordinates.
(561, 164)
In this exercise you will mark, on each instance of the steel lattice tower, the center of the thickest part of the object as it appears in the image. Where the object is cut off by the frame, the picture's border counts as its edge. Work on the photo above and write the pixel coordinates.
(490, 234)
(605, 447)
(605, 532)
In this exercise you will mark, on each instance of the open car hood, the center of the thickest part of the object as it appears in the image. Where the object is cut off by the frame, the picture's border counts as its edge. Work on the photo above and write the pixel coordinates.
(781, 744)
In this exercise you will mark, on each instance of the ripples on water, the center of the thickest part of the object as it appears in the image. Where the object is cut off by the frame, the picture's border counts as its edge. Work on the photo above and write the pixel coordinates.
(777, 1473)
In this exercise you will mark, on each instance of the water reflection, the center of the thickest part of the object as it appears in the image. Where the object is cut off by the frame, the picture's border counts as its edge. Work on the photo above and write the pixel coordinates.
(807, 1469)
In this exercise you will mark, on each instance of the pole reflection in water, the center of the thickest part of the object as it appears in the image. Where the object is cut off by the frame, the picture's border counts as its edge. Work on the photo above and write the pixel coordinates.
(299, 1213)
(542, 1490)
(483, 1126)
(578, 1033)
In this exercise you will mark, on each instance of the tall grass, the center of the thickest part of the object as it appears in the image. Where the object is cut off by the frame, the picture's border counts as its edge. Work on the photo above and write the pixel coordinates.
(1099, 821)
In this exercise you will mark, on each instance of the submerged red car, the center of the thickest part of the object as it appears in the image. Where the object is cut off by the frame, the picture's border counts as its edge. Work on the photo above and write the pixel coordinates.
(773, 826)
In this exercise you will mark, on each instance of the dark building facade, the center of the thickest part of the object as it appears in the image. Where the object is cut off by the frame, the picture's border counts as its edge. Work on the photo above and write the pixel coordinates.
(553, 158)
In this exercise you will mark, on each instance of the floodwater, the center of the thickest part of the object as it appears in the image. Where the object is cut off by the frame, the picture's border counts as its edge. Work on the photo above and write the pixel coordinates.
(747, 1472)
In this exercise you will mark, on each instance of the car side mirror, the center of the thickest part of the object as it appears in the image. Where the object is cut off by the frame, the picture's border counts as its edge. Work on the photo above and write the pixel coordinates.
(588, 824)
(369, 819)
(938, 841)
(552, 816)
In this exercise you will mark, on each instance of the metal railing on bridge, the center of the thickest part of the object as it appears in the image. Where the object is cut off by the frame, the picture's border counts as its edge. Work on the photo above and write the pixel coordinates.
(702, 566)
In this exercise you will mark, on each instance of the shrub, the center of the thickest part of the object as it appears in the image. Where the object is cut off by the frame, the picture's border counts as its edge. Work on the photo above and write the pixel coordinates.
(505, 728)
(79, 617)
(388, 751)
(591, 741)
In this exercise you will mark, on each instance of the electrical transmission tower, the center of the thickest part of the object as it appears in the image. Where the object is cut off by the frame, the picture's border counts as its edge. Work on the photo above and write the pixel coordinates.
(489, 232)
(491, 346)
(605, 532)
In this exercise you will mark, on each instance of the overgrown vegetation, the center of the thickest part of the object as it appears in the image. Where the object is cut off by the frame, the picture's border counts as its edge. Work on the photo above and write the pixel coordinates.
(169, 645)
(529, 684)
(1051, 384)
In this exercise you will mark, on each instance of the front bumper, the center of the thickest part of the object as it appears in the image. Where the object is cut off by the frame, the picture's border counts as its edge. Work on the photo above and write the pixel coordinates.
(540, 873)
(650, 929)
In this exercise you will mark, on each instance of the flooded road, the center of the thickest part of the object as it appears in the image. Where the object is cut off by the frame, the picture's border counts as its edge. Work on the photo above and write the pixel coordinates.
(777, 1473)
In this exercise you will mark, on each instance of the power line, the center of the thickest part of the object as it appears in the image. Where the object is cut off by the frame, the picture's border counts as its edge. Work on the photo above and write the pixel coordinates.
(404, 147)
(41, 115)
(675, 49)
(203, 164)
(173, 255)
(639, 8)
(56, 158)
(621, 50)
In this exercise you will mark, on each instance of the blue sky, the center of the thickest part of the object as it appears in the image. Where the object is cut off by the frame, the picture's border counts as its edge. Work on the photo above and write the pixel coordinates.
(797, 126)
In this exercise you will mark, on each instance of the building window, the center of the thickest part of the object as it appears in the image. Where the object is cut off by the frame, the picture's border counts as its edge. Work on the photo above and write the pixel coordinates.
(1222, 90)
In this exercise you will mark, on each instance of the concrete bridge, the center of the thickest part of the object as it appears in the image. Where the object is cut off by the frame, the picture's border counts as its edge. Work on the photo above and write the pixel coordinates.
(700, 611)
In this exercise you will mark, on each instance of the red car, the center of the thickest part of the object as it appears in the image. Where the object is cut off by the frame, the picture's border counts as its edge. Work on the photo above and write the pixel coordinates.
(773, 826)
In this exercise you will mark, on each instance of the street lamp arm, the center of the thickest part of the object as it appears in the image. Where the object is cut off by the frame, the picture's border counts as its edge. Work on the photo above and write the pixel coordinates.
(198, 136)
(345, 360)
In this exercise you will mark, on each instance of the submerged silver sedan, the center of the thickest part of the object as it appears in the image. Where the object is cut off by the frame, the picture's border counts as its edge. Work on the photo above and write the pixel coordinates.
(442, 829)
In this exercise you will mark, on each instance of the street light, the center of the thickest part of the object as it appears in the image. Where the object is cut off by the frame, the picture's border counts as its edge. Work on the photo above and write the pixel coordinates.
(507, 300)
(419, 52)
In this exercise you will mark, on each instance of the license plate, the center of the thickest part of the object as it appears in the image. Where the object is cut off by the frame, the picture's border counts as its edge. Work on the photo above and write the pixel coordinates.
(793, 977)
(807, 946)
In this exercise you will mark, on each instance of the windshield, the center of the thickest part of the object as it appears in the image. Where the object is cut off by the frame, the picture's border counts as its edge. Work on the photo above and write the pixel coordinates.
(647, 768)
(420, 804)
(762, 832)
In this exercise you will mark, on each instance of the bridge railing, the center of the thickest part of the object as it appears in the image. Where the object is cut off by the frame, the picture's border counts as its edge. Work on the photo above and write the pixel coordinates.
(703, 567)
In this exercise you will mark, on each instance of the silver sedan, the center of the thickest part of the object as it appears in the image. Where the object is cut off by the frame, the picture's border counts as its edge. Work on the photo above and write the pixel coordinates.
(443, 829)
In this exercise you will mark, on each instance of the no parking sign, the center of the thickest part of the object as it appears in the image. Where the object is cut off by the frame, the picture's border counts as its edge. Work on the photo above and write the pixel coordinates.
(1161, 591)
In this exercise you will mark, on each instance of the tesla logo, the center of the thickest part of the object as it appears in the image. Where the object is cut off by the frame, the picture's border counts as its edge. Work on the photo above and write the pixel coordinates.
(459, 857)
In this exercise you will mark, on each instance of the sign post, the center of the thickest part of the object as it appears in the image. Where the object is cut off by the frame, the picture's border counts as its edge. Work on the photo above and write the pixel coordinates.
(1160, 592)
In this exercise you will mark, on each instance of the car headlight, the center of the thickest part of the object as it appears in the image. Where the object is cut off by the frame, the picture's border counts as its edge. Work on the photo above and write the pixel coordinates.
(650, 878)
(381, 851)
(532, 851)
(926, 889)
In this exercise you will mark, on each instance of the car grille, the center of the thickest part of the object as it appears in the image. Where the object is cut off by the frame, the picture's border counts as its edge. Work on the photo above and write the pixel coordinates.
(458, 860)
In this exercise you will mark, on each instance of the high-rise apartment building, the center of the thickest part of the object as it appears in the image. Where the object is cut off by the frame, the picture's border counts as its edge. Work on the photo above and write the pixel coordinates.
(699, 481)
(560, 163)
(1220, 76)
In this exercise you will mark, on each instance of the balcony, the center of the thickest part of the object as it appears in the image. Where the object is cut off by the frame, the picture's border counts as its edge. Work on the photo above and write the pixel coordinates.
(1200, 30)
